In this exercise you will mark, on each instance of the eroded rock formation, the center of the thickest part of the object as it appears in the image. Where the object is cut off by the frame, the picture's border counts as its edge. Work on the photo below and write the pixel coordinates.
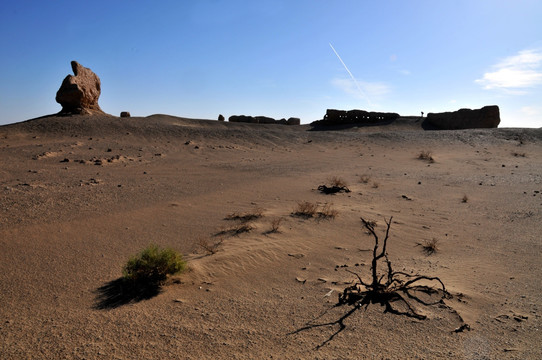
(486, 117)
(79, 92)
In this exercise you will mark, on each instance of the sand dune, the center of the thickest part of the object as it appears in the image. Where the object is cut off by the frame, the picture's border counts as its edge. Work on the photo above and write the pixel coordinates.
(79, 195)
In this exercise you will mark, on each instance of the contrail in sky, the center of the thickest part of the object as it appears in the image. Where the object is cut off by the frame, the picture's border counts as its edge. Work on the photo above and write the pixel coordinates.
(352, 76)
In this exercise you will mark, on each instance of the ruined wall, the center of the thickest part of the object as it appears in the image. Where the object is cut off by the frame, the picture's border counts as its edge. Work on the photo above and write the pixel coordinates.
(486, 117)
(263, 120)
(362, 117)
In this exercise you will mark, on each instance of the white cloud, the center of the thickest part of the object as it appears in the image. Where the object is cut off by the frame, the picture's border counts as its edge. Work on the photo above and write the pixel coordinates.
(368, 91)
(516, 73)
(524, 117)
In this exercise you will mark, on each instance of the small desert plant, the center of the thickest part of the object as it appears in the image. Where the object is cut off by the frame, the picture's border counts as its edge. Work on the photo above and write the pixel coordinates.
(308, 210)
(429, 246)
(337, 181)
(305, 209)
(426, 155)
(153, 264)
(465, 199)
(364, 179)
(245, 216)
(275, 225)
(376, 185)
(210, 248)
(328, 212)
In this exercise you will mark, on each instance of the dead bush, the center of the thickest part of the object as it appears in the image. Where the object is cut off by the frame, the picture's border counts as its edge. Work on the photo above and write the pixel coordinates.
(364, 179)
(328, 212)
(395, 290)
(337, 181)
(429, 246)
(275, 225)
(207, 246)
(305, 209)
(309, 210)
(426, 155)
(389, 287)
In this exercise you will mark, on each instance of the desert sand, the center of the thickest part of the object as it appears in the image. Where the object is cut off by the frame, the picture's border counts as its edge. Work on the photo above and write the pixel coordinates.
(80, 194)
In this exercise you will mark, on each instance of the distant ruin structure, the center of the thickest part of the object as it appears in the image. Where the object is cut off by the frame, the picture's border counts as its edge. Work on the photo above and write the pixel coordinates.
(351, 117)
(263, 120)
(486, 117)
(79, 92)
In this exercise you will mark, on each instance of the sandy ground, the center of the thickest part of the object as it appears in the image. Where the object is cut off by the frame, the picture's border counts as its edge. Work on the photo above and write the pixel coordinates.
(80, 195)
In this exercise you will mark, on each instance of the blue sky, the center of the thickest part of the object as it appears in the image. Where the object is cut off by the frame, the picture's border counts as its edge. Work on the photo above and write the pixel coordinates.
(277, 58)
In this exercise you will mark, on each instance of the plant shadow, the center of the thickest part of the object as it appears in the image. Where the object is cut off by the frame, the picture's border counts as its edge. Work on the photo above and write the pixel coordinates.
(121, 291)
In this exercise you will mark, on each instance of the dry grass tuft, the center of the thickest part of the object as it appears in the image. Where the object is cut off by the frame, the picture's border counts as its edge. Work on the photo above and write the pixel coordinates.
(364, 179)
(305, 209)
(328, 212)
(209, 248)
(275, 225)
(429, 246)
(309, 210)
(376, 185)
(426, 155)
(371, 223)
(337, 181)
(465, 199)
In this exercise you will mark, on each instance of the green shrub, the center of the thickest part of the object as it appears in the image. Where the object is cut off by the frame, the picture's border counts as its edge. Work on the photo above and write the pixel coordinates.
(153, 265)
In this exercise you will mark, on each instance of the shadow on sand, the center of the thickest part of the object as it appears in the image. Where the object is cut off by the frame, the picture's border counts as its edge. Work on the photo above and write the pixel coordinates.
(121, 292)
(421, 294)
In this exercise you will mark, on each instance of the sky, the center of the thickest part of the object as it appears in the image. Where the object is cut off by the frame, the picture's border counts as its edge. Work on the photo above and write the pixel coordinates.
(280, 58)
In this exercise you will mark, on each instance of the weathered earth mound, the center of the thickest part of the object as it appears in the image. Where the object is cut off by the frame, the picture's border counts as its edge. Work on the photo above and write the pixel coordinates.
(486, 117)
(79, 92)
